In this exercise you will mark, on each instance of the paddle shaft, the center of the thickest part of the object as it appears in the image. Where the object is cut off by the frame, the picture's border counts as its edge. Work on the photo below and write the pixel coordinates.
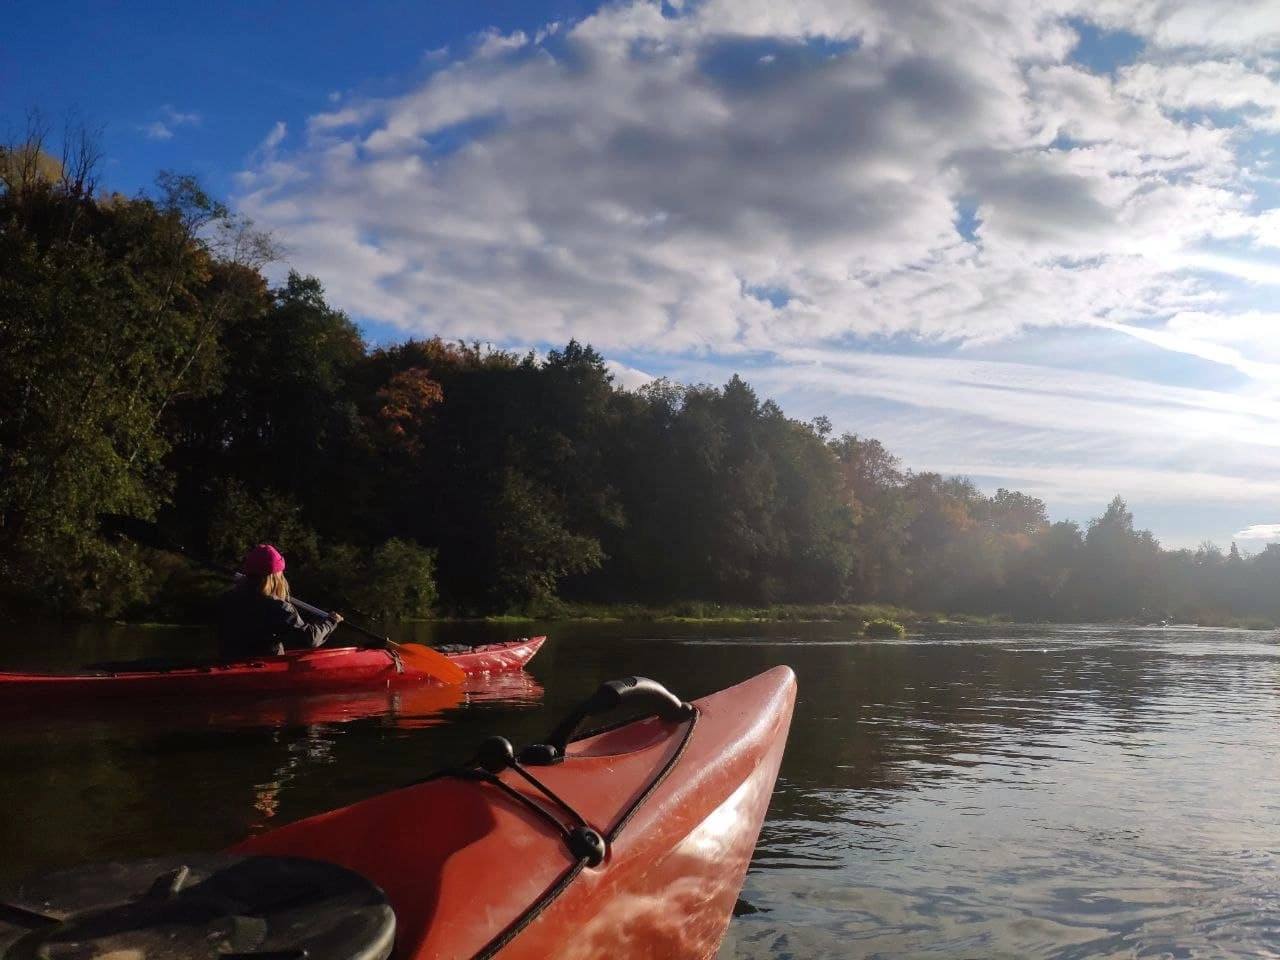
(316, 612)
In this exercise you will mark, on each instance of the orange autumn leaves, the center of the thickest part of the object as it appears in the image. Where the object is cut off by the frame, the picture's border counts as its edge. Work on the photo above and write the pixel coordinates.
(405, 400)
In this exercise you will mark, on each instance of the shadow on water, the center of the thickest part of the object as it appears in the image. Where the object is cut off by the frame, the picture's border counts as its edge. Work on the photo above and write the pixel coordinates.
(1009, 791)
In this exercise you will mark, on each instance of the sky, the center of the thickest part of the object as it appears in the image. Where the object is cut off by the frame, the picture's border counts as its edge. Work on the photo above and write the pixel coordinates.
(1035, 242)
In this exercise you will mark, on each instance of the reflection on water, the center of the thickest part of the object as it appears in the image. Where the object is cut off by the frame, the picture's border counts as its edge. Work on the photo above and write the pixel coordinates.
(1019, 792)
(407, 708)
(1050, 793)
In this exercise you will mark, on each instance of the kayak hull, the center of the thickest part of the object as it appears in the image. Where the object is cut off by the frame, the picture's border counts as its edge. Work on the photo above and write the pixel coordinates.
(497, 657)
(297, 671)
(471, 871)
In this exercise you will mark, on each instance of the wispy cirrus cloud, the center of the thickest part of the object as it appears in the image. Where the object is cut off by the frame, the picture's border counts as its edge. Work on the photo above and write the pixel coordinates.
(1065, 435)
(1215, 338)
(169, 122)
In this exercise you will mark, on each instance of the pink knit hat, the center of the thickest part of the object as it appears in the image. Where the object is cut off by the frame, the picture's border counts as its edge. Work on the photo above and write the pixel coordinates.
(262, 560)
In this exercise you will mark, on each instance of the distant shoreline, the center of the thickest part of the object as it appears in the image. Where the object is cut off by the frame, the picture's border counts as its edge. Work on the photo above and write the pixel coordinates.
(693, 612)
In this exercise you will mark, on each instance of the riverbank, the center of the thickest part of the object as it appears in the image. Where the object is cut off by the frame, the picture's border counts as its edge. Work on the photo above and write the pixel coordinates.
(853, 613)
(700, 612)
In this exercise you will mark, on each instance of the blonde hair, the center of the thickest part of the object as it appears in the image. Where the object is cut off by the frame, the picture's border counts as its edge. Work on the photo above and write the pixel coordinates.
(273, 585)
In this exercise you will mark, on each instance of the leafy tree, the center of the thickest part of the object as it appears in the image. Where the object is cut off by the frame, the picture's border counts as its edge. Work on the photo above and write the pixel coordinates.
(1120, 564)
(533, 549)
(242, 516)
(281, 418)
(1012, 512)
(1044, 584)
(105, 313)
(393, 581)
(401, 582)
(871, 482)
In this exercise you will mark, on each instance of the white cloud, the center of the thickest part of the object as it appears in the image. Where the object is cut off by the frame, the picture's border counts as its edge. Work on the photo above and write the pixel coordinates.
(180, 118)
(274, 138)
(635, 190)
(1259, 531)
(629, 378)
(156, 130)
(171, 119)
(1226, 25)
(1208, 85)
(1105, 402)
(1215, 344)
(346, 117)
(1053, 484)
(1256, 331)
(493, 43)
(743, 178)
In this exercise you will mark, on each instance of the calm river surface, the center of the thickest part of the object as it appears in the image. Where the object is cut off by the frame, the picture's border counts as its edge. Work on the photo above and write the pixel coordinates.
(966, 792)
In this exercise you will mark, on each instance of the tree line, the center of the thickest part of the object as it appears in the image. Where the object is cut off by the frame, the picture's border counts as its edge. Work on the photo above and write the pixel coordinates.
(149, 368)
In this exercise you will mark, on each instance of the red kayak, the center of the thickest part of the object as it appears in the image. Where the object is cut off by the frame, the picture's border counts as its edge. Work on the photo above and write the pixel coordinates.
(299, 671)
(472, 869)
(630, 843)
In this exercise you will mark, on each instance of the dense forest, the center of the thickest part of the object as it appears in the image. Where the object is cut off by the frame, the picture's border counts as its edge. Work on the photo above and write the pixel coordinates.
(149, 368)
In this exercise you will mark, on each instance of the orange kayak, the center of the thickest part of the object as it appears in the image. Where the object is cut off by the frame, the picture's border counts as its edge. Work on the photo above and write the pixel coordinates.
(640, 855)
(325, 669)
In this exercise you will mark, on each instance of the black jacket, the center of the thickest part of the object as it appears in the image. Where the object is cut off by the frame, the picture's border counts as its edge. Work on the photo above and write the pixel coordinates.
(253, 625)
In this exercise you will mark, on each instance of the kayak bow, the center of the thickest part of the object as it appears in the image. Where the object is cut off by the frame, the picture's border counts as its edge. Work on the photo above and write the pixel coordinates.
(486, 864)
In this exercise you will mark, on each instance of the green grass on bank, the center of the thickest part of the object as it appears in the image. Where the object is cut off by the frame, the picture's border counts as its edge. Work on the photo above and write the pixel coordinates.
(707, 612)
(864, 613)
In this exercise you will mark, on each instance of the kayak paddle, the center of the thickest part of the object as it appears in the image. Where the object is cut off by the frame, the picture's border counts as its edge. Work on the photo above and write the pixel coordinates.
(419, 658)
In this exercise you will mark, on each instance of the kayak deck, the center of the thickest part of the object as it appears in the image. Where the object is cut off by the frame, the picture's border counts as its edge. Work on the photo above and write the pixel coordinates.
(480, 868)
(322, 669)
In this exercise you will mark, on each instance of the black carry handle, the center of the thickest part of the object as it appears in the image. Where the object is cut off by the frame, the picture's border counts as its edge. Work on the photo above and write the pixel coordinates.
(637, 691)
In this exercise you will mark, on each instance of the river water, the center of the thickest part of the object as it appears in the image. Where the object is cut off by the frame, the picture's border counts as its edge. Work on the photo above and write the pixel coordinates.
(965, 792)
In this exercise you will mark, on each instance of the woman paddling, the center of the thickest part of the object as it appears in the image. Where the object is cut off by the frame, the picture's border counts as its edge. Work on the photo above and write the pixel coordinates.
(257, 618)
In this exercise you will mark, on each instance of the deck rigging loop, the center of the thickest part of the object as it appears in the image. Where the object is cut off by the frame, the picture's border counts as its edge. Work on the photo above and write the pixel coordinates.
(587, 845)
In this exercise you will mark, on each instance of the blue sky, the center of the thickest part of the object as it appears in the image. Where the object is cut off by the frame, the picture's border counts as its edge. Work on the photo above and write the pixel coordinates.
(237, 67)
(1035, 243)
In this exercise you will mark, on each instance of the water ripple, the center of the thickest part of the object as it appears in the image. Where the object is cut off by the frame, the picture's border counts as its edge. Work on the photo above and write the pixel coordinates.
(1067, 793)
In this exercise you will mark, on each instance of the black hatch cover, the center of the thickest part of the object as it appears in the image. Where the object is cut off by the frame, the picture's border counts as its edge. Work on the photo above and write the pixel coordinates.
(217, 907)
